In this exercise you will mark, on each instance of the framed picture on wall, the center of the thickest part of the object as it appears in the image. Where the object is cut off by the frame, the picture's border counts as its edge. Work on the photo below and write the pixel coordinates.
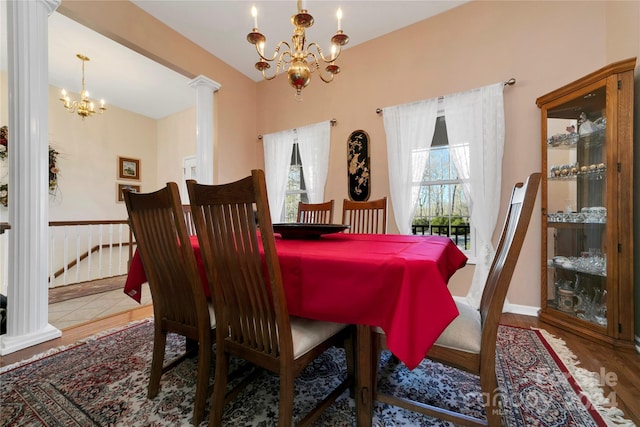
(120, 187)
(128, 168)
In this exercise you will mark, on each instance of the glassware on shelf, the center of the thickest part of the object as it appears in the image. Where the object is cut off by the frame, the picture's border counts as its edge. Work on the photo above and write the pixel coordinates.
(569, 206)
(599, 307)
(566, 171)
(567, 139)
(594, 309)
(588, 262)
(595, 214)
(587, 215)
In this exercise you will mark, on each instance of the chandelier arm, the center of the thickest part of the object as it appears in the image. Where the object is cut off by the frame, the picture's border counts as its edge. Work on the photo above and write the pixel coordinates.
(325, 79)
(325, 75)
(312, 59)
(280, 66)
(329, 59)
(264, 76)
(276, 52)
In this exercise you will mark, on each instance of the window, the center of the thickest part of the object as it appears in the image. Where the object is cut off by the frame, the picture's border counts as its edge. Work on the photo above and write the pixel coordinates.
(296, 189)
(442, 205)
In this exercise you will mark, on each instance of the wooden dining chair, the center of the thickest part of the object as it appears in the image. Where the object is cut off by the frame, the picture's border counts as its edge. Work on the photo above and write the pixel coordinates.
(249, 298)
(469, 342)
(315, 213)
(368, 217)
(179, 302)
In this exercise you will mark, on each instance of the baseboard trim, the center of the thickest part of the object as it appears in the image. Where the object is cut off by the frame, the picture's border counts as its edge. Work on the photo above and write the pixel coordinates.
(525, 310)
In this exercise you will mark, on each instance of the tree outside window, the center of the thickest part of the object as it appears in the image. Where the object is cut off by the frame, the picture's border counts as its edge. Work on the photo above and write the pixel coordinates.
(442, 206)
(296, 189)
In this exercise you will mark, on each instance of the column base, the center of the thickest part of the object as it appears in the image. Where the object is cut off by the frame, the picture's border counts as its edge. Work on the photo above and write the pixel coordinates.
(9, 344)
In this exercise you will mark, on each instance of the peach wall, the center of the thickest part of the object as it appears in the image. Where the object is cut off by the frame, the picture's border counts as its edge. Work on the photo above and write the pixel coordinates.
(623, 29)
(176, 140)
(543, 45)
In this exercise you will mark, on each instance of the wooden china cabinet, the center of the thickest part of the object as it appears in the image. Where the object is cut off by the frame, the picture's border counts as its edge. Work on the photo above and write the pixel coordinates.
(587, 217)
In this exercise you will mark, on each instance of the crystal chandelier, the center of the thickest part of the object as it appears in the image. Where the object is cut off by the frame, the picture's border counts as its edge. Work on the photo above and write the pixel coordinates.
(298, 60)
(85, 107)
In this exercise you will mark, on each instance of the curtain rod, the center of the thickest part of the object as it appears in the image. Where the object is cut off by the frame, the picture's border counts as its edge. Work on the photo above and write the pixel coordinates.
(509, 82)
(332, 121)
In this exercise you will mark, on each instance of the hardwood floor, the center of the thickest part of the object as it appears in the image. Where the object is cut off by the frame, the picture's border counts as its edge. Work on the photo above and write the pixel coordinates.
(75, 333)
(620, 370)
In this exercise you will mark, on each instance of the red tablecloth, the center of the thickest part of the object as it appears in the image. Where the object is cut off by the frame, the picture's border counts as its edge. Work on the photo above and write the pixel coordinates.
(396, 282)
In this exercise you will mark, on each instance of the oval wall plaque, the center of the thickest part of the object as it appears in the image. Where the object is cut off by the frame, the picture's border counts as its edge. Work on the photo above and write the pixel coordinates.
(358, 171)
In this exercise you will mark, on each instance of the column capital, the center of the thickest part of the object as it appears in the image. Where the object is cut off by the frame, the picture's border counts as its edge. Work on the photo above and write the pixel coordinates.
(201, 81)
(51, 5)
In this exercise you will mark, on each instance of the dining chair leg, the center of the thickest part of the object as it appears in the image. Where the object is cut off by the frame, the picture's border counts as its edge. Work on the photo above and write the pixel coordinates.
(202, 385)
(285, 415)
(219, 389)
(191, 346)
(350, 354)
(491, 396)
(157, 361)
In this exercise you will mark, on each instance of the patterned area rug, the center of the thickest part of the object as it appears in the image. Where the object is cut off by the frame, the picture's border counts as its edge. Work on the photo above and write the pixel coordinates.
(102, 381)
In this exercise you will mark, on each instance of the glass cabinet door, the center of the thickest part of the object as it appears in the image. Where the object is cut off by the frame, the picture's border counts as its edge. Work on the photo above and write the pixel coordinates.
(576, 157)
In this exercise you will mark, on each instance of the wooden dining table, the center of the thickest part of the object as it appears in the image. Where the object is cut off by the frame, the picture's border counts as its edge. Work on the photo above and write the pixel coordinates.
(395, 282)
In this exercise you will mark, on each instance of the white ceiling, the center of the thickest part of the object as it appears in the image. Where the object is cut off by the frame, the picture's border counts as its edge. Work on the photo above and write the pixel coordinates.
(114, 73)
(221, 26)
(130, 81)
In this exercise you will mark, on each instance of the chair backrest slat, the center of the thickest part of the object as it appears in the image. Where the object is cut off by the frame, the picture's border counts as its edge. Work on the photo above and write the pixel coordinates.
(315, 213)
(188, 219)
(368, 217)
(242, 264)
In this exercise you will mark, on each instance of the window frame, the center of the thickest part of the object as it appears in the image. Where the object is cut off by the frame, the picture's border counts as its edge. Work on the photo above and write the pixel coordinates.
(295, 162)
(440, 142)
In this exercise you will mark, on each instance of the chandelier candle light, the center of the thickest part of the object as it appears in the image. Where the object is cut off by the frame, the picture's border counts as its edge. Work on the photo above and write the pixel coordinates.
(85, 107)
(298, 61)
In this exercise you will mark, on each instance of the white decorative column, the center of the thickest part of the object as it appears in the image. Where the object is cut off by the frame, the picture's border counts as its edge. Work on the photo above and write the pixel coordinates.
(28, 292)
(205, 88)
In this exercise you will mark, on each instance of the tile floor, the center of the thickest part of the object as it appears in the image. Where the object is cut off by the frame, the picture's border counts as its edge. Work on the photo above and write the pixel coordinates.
(87, 308)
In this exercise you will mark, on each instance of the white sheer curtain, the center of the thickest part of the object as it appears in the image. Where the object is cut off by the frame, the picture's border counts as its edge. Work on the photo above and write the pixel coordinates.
(475, 130)
(314, 142)
(277, 158)
(409, 129)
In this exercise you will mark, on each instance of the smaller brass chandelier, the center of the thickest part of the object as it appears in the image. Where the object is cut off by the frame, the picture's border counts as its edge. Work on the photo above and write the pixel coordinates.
(85, 107)
(298, 61)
